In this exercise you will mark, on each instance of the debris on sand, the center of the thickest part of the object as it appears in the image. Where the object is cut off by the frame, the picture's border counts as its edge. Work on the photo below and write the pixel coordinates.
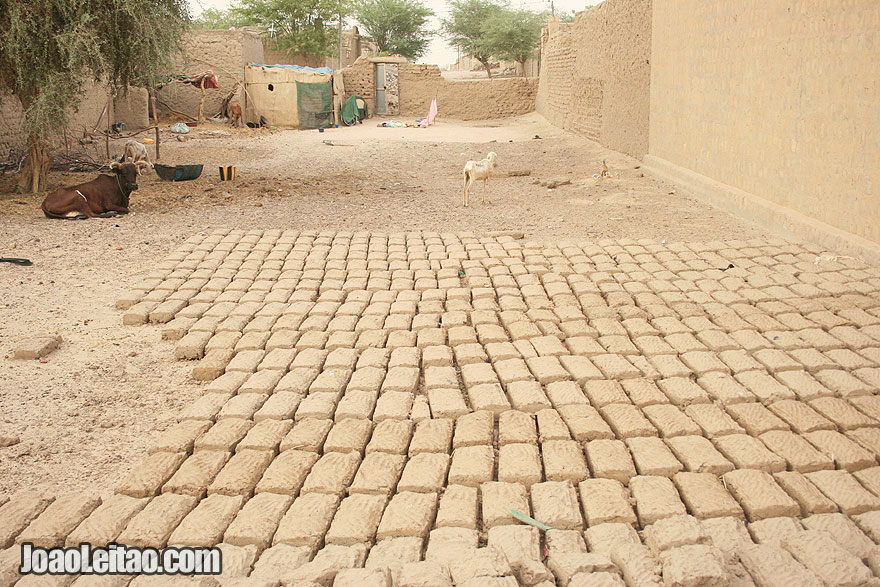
(36, 347)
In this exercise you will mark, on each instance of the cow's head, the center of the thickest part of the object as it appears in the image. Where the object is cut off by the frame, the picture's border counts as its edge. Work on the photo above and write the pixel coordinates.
(126, 174)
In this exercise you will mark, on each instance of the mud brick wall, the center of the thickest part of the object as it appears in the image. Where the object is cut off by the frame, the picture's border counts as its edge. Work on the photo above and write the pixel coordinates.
(227, 53)
(596, 74)
(132, 109)
(359, 80)
(777, 100)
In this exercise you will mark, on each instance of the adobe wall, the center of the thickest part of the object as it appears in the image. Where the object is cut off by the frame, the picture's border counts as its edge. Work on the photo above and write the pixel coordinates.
(595, 74)
(461, 100)
(769, 109)
(227, 52)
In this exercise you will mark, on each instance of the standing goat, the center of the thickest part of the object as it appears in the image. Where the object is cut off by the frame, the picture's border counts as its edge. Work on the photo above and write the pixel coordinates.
(476, 170)
(134, 152)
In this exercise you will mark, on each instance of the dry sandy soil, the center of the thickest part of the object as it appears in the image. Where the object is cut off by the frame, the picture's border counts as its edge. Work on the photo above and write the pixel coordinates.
(86, 416)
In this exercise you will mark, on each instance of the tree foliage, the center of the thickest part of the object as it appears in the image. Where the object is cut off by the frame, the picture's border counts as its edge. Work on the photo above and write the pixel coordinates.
(297, 26)
(396, 26)
(513, 35)
(463, 29)
(215, 19)
(49, 49)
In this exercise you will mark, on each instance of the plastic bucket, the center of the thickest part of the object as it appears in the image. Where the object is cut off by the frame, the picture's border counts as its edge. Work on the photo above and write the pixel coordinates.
(227, 173)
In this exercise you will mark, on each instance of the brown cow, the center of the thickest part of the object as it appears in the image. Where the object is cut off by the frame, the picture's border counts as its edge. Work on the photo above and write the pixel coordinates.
(103, 197)
(235, 114)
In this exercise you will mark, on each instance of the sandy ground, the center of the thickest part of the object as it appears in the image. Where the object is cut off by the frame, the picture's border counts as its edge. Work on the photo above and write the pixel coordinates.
(86, 416)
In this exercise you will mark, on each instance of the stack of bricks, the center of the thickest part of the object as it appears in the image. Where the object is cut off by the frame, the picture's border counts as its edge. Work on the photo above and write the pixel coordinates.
(379, 406)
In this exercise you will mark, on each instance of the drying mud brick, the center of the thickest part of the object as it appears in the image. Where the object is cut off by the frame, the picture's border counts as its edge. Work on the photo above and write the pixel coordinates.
(651, 456)
(212, 365)
(799, 454)
(705, 496)
(391, 436)
(472, 465)
(257, 521)
(610, 459)
(521, 548)
(519, 463)
(392, 554)
(845, 531)
(693, 565)
(584, 423)
(332, 473)
(240, 475)
(808, 496)
(671, 421)
(773, 566)
(280, 561)
(242, 406)
(349, 435)
(800, 416)
(424, 473)
(555, 503)
(833, 565)
(713, 420)
(196, 473)
(627, 421)
(447, 403)
(656, 498)
(58, 520)
(151, 474)
(307, 434)
(498, 498)
(306, 520)
(474, 429)
(481, 564)
(356, 520)
(205, 525)
(224, 435)
(424, 574)
(746, 452)
(458, 507)
(206, 407)
(153, 525)
(34, 348)
(563, 461)
(378, 474)
(755, 418)
(516, 427)
(674, 532)
(845, 453)
(605, 500)
(699, 455)
(104, 524)
(408, 514)
(845, 491)
(431, 436)
(759, 495)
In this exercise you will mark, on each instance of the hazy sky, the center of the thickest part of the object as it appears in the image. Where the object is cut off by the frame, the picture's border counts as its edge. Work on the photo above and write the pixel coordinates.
(438, 52)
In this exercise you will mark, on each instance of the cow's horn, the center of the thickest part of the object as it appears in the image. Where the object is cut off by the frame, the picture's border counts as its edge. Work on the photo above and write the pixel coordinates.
(114, 165)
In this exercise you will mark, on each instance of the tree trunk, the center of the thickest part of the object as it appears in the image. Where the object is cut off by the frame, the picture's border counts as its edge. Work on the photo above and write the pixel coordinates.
(36, 166)
(487, 66)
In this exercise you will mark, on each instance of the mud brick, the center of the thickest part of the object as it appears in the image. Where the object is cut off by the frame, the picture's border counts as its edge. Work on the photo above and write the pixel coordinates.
(404, 379)
(332, 473)
(57, 521)
(525, 350)
(447, 403)
(713, 420)
(196, 473)
(192, 346)
(800, 416)
(474, 429)
(488, 397)
(870, 375)
(564, 461)
(212, 365)
(280, 561)
(604, 392)
(585, 423)
(227, 384)
(811, 359)
(366, 379)
(424, 473)
(755, 418)
(205, 408)
(698, 455)
(511, 370)
(181, 436)
(580, 368)
(674, 532)
(241, 473)
(846, 533)
(528, 396)
(869, 438)
(772, 565)
(618, 344)
(844, 452)
(551, 426)
(804, 385)
(605, 500)
(610, 459)
(246, 360)
(773, 531)
(652, 457)
(104, 524)
(682, 391)
(242, 406)
(408, 514)
(390, 555)
(257, 521)
(669, 366)
(845, 491)
(224, 435)
(521, 548)
(432, 436)
(391, 436)
(739, 361)
(440, 377)
(627, 421)
(747, 452)
(799, 454)
(810, 499)
(501, 351)
(842, 413)
(547, 346)
(472, 465)
(475, 374)
(519, 463)
(615, 366)
(498, 498)
(656, 498)
(320, 405)
(458, 507)
(818, 551)
(547, 369)
(266, 435)
(281, 405)
(307, 434)
(307, 520)
(515, 426)
(705, 496)
(205, 525)
(437, 356)
(349, 435)
(154, 524)
(696, 564)
(870, 478)
(764, 387)
(759, 495)
(842, 383)
(643, 392)
(277, 359)
(469, 354)
(150, 475)
(556, 504)
(261, 382)
(356, 404)
(671, 421)
(356, 520)
(869, 523)
(297, 380)
(561, 393)
(378, 474)
(725, 389)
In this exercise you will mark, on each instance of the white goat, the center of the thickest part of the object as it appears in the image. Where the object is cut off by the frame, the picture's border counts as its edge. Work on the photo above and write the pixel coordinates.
(476, 170)
(134, 152)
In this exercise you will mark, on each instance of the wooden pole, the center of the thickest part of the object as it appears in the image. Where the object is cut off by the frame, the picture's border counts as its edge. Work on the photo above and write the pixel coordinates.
(155, 121)
(202, 103)
(109, 130)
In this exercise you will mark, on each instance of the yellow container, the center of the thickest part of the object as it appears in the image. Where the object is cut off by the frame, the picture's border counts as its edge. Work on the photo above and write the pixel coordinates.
(227, 173)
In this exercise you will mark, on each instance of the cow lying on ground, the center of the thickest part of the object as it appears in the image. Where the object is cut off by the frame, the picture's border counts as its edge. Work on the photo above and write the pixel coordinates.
(235, 114)
(103, 197)
(134, 152)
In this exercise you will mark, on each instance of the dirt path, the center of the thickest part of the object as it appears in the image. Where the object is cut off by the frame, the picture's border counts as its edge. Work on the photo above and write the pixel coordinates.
(84, 417)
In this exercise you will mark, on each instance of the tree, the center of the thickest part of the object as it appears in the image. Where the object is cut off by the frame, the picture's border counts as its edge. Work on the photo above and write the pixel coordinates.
(297, 26)
(212, 18)
(513, 35)
(49, 49)
(396, 26)
(463, 28)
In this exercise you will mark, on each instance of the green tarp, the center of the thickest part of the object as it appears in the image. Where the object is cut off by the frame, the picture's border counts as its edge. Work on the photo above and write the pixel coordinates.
(315, 104)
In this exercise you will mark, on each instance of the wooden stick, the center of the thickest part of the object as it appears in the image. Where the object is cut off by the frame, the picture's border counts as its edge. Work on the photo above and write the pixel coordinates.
(109, 129)
(155, 121)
